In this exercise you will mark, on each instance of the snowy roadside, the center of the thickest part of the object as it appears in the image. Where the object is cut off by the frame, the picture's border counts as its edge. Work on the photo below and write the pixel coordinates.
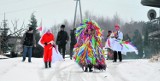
(3, 57)
(140, 70)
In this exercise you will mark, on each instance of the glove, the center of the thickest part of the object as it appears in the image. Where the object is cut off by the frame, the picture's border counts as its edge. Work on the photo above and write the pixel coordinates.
(54, 46)
(45, 43)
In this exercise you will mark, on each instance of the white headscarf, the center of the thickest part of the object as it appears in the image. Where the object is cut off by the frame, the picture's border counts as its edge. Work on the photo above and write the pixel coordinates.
(44, 31)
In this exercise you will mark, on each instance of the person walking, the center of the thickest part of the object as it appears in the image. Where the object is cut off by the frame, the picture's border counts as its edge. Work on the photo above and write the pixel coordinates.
(62, 39)
(28, 42)
(117, 47)
(73, 42)
(47, 41)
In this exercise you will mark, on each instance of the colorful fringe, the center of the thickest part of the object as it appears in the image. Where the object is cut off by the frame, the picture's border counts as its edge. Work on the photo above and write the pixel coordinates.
(88, 49)
(125, 45)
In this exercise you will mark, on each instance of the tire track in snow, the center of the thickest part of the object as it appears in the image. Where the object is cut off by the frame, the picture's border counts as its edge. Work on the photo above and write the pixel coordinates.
(71, 72)
(52, 73)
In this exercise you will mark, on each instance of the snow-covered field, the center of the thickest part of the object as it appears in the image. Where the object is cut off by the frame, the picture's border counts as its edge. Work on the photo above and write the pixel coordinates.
(129, 70)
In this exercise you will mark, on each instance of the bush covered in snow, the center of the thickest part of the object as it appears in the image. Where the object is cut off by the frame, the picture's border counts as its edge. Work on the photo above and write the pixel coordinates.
(155, 58)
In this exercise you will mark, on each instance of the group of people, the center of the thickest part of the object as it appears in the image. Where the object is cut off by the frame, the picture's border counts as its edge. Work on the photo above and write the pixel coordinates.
(113, 43)
(117, 46)
(47, 41)
(86, 45)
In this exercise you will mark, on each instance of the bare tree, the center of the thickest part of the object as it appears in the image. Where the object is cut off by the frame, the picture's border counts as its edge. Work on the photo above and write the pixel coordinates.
(17, 34)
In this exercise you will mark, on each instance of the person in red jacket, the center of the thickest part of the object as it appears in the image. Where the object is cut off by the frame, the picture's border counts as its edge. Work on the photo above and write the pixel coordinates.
(47, 40)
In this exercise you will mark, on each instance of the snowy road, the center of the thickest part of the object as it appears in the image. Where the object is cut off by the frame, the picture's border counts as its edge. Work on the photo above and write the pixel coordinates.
(15, 70)
(113, 70)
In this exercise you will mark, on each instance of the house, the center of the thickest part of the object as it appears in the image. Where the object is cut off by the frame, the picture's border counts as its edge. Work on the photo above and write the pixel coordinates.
(14, 45)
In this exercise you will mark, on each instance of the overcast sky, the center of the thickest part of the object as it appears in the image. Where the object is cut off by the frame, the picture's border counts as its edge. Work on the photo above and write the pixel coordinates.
(55, 11)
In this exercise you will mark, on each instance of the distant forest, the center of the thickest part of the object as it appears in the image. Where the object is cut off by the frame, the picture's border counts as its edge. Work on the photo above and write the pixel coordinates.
(137, 32)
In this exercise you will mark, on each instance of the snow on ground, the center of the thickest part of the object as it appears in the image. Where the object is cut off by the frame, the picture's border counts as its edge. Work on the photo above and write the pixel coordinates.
(129, 70)
(140, 70)
(3, 57)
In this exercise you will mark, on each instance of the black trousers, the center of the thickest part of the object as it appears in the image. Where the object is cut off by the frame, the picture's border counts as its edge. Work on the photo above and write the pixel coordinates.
(71, 51)
(62, 50)
(119, 55)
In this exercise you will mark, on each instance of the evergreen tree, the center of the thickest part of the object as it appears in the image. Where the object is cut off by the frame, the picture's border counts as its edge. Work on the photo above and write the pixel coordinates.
(147, 50)
(151, 42)
(4, 40)
(126, 38)
(4, 37)
(38, 50)
(138, 42)
(33, 22)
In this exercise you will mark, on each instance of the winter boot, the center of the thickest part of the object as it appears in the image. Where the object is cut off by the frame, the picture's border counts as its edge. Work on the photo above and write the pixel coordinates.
(46, 64)
(23, 59)
(49, 64)
(90, 67)
(86, 69)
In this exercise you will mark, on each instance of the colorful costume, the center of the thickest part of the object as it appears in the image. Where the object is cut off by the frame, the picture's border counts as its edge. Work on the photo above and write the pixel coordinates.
(124, 46)
(88, 49)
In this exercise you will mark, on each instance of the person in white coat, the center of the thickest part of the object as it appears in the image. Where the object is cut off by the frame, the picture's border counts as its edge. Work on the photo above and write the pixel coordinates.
(117, 47)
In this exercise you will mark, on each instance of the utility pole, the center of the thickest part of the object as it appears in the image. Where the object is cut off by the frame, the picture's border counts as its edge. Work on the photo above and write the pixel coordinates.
(0, 40)
(78, 2)
(159, 17)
